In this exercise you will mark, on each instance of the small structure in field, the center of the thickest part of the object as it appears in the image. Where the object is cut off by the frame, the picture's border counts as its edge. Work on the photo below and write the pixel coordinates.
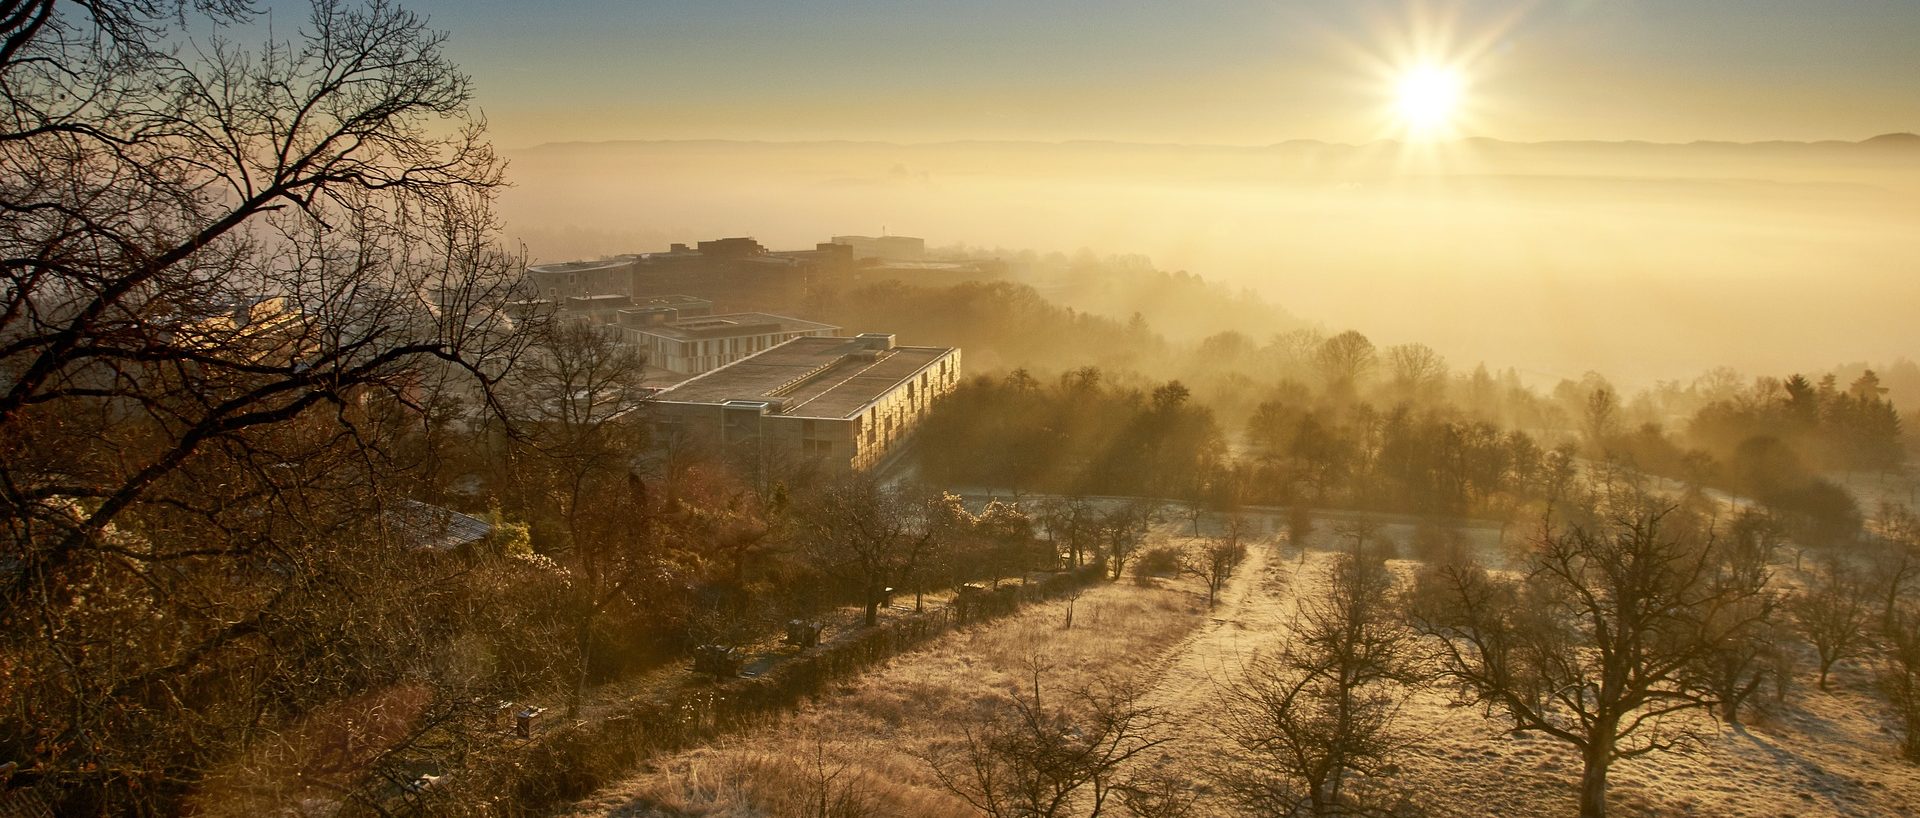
(804, 633)
(523, 720)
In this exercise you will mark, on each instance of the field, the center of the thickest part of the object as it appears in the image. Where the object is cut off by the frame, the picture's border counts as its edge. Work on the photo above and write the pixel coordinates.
(860, 750)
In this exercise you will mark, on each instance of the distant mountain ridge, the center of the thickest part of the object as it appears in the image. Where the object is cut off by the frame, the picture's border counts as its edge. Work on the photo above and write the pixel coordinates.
(1898, 139)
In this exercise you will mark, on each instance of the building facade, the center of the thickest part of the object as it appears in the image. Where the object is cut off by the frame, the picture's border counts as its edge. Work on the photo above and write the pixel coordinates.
(888, 248)
(843, 403)
(581, 279)
(690, 346)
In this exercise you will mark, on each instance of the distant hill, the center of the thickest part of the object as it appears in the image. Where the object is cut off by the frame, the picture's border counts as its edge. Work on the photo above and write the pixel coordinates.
(1900, 139)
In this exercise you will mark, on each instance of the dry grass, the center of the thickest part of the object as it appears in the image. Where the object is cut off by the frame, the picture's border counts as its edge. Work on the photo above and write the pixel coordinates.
(1817, 754)
(859, 747)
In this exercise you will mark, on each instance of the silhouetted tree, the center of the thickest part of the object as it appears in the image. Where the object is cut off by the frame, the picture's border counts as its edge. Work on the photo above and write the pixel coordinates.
(1599, 643)
(1345, 359)
(1833, 614)
(1037, 759)
(1900, 676)
(866, 533)
(223, 271)
(1319, 719)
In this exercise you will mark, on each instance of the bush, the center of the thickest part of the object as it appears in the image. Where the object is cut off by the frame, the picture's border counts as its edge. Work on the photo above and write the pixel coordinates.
(1160, 561)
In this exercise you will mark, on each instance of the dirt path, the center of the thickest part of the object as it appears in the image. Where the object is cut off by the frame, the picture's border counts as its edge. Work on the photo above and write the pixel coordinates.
(1249, 618)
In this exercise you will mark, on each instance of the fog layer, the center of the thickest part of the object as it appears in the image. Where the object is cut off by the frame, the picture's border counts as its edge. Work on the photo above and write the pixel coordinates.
(1642, 261)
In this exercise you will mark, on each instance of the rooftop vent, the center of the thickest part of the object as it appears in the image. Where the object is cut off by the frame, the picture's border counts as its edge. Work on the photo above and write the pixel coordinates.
(876, 340)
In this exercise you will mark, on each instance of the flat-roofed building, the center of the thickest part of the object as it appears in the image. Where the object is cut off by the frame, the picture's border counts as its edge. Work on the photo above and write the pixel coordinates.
(690, 346)
(844, 402)
(890, 248)
(664, 309)
(572, 279)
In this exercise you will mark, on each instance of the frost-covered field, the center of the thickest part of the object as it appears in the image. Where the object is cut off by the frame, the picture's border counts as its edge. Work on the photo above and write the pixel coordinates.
(1811, 753)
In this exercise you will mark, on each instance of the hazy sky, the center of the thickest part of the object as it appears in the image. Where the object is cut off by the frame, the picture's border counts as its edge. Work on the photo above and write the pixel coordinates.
(1213, 72)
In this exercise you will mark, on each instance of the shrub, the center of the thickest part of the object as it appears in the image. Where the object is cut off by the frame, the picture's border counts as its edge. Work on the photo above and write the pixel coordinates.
(1160, 561)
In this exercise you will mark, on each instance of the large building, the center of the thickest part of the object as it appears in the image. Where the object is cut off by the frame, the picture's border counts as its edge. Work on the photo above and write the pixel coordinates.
(843, 402)
(580, 279)
(692, 345)
(739, 274)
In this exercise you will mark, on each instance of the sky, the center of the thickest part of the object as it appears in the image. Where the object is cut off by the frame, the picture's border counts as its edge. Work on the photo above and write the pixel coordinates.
(1641, 262)
(1201, 72)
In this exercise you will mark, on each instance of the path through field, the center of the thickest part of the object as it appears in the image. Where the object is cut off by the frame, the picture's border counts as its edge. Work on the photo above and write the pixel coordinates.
(1249, 617)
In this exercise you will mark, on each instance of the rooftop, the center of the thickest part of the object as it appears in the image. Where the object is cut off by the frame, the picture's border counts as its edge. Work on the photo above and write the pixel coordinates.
(670, 301)
(578, 266)
(430, 527)
(732, 325)
(811, 377)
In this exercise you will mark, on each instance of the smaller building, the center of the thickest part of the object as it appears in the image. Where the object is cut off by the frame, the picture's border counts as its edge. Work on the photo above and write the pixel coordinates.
(424, 527)
(735, 247)
(664, 309)
(595, 309)
(845, 403)
(574, 279)
(887, 248)
(692, 345)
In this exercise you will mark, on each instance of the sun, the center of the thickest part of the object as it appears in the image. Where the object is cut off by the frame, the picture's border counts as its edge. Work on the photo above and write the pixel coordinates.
(1427, 99)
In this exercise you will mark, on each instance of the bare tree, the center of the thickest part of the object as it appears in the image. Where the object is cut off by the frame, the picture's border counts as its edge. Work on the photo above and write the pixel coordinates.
(1599, 644)
(223, 271)
(1236, 529)
(1048, 760)
(865, 532)
(1735, 668)
(1359, 533)
(1418, 373)
(1345, 359)
(575, 403)
(834, 787)
(1213, 563)
(1600, 417)
(1833, 614)
(1007, 531)
(1319, 719)
(1074, 520)
(1895, 557)
(1900, 676)
(1125, 528)
(1159, 792)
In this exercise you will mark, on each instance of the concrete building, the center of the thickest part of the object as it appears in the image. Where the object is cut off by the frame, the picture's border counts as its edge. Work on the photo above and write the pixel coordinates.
(887, 248)
(692, 345)
(739, 274)
(664, 309)
(845, 403)
(579, 279)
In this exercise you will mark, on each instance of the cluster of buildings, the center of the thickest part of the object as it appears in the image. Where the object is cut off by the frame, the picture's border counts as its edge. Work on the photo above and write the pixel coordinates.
(752, 380)
(742, 274)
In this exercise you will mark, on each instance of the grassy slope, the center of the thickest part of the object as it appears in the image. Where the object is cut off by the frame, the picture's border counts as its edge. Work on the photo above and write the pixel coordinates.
(1818, 753)
(865, 737)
